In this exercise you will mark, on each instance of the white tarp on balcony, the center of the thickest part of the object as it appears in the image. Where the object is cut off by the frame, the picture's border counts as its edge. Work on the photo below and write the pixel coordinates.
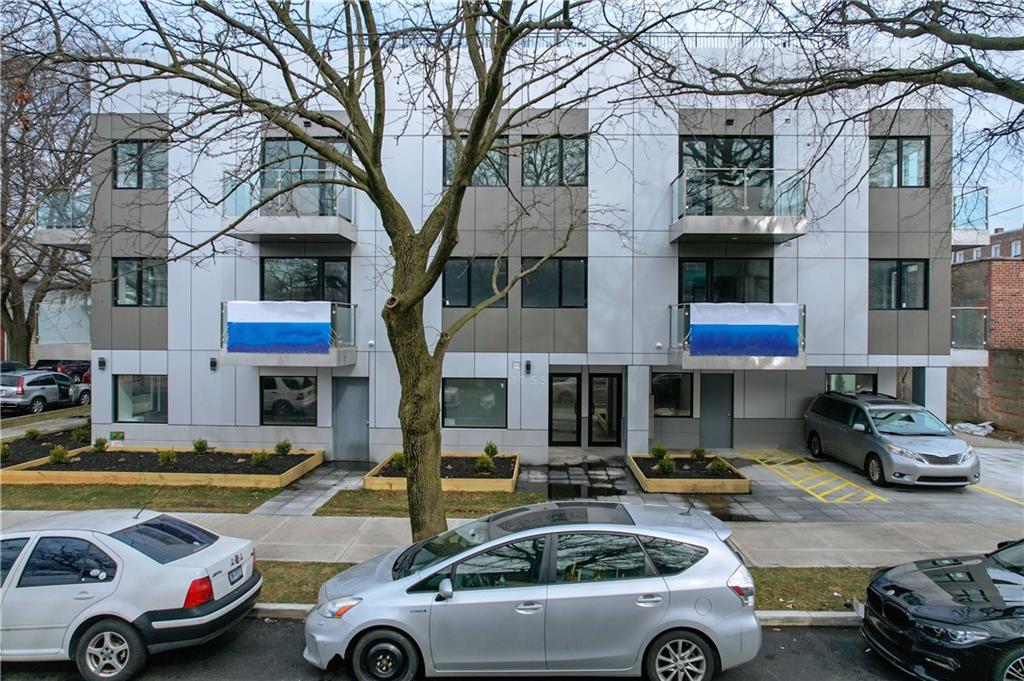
(745, 329)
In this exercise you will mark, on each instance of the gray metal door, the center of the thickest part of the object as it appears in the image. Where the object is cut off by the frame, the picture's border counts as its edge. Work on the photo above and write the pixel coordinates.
(351, 419)
(716, 410)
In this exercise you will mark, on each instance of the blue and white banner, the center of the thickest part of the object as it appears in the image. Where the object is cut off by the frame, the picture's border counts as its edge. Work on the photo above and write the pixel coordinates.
(270, 326)
(745, 329)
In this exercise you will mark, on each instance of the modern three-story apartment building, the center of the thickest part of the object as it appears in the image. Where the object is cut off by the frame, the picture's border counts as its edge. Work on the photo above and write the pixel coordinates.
(723, 267)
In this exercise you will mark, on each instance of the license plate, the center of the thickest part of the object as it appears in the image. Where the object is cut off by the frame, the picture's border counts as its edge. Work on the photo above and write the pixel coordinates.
(858, 608)
(235, 575)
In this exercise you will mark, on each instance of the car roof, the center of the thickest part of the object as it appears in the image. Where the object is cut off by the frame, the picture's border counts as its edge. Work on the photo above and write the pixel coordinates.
(873, 400)
(105, 521)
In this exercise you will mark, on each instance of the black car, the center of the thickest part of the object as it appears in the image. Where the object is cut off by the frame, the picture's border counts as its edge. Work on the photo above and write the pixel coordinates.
(7, 367)
(951, 618)
(75, 369)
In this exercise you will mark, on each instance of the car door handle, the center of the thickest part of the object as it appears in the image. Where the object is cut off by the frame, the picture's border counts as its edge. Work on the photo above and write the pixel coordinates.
(83, 596)
(528, 608)
(648, 600)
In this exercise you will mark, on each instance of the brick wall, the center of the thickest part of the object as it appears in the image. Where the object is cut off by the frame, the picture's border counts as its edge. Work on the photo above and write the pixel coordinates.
(1006, 308)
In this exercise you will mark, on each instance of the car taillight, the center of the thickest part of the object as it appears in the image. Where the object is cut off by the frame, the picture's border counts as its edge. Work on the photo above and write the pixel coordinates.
(199, 591)
(742, 584)
(21, 385)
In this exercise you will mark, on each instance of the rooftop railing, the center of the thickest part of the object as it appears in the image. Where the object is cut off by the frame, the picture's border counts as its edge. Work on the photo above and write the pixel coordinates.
(777, 192)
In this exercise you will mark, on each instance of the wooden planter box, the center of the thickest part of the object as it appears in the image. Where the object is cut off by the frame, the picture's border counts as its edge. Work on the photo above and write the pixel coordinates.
(689, 485)
(373, 480)
(22, 474)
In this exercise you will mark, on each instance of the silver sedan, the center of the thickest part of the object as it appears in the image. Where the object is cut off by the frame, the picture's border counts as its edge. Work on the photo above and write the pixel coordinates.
(562, 588)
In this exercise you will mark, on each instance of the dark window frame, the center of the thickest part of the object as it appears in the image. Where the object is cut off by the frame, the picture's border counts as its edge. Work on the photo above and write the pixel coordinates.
(709, 270)
(444, 409)
(561, 160)
(167, 385)
(900, 262)
(321, 261)
(689, 375)
(503, 303)
(140, 266)
(316, 405)
(900, 139)
(704, 138)
(444, 164)
(561, 297)
(138, 162)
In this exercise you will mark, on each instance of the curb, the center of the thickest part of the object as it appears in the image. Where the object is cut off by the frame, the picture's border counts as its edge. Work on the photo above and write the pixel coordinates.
(768, 618)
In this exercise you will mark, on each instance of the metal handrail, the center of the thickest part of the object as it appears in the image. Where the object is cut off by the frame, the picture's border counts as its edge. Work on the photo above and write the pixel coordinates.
(324, 199)
(680, 194)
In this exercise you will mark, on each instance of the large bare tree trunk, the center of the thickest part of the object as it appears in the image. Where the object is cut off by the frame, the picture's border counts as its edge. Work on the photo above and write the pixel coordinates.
(19, 339)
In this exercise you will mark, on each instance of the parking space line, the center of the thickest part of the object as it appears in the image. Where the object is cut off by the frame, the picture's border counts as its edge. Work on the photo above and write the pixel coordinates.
(819, 482)
(998, 494)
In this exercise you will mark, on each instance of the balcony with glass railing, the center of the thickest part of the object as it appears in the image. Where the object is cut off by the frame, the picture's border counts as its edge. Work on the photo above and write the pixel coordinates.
(749, 204)
(738, 335)
(63, 220)
(288, 333)
(970, 216)
(290, 203)
(968, 337)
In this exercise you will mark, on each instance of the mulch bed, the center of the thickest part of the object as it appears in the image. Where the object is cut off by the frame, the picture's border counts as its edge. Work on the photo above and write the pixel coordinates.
(187, 462)
(23, 449)
(686, 469)
(462, 467)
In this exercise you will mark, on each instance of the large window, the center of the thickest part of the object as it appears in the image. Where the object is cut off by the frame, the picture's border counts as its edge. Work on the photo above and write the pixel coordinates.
(305, 279)
(704, 151)
(552, 161)
(898, 162)
(140, 398)
(560, 282)
(474, 403)
(725, 280)
(288, 400)
(139, 282)
(898, 285)
(492, 171)
(511, 565)
(468, 282)
(598, 558)
(140, 164)
(673, 394)
(851, 383)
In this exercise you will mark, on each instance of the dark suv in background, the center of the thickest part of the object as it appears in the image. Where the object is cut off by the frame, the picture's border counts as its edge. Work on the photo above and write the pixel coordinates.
(75, 369)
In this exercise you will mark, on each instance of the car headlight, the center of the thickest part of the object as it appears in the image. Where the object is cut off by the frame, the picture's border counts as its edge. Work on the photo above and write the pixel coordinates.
(953, 635)
(900, 451)
(336, 607)
(967, 455)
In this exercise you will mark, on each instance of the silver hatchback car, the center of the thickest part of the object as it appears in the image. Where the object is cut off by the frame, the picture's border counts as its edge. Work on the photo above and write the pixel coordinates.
(892, 441)
(561, 588)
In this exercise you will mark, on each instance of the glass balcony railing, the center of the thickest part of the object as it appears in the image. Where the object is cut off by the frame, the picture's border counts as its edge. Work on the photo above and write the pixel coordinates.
(970, 208)
(969, 328)
(285, 192)
(287, 327)
(738, 192)
(738, 329)
(66, 210)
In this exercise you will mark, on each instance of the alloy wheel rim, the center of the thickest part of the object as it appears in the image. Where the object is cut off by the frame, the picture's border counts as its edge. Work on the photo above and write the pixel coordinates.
(680, 660)
(815, 445)
(875, 469)
(107, 654)
(37, 407)
(1015, 672)
(86, 399)
(385, 660)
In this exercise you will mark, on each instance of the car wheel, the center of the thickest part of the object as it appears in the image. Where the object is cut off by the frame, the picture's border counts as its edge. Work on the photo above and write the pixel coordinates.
(385, 655)
(37, 405)
(1010, 665)
(85, 397)
(814, 444)
(679, 655)
(874, 470)
(110, 650)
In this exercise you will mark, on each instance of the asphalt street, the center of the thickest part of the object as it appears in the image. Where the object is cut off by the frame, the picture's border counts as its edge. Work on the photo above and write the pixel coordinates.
(272, 650)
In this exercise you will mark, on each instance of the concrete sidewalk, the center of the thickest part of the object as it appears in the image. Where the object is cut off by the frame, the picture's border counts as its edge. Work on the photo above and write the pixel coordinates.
(805, 544)
(45, 426)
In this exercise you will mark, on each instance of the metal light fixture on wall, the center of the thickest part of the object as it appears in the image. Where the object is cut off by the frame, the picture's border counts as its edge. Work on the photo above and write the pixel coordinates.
(213, 364)
(101, 363)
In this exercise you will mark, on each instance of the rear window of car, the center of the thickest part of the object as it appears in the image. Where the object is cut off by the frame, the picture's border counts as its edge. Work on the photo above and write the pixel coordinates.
(9, 380)
(672, 557)
(166, 539)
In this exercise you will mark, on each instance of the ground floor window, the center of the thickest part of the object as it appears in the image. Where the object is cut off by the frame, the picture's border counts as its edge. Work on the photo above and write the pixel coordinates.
(852, 383)
(288, 400)
(140, 399)
(474, 403)
(673, 394)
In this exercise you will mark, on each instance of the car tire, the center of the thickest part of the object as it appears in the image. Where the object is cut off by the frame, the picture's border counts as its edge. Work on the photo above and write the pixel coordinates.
(110, 650)
(1010, 665)
(85, 397)
(37, 405)
(814, 446)
(675, 648)
(385, 655)
(875, 471)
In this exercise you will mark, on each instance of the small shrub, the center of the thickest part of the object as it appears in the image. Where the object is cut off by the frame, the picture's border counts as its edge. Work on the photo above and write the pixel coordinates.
(484, 464)
(5, 452)
(666, 466)
(491, 449)
(33, 434)
(100, 445)
(167, 457)
(261, 459)
(283, 448)
(81, 435)
(659, 452)
(59, 455)
(399, 461)
(200, 446)
(718, 467)
(699, 453)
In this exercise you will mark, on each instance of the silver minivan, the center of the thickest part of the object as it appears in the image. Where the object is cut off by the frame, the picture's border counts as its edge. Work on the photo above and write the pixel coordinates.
(560, 588)
(892, 441)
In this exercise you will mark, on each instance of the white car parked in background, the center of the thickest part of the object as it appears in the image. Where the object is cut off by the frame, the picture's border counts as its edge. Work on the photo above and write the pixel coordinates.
(106, 588)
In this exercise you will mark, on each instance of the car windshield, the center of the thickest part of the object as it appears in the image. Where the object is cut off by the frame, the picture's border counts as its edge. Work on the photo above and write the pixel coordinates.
(1011, 557)
(435, 549)
(908, 422)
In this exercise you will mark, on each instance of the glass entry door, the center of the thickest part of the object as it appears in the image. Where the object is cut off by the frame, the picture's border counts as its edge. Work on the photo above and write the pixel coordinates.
(605, 410)
(564, 410)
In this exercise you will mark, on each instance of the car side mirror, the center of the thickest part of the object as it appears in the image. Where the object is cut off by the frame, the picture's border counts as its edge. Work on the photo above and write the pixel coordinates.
(1004, 544)
(860, 427)
(445, 590)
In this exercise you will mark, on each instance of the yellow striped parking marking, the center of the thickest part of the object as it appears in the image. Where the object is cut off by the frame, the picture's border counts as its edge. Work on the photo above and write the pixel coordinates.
(998, 494)
(814, 479)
